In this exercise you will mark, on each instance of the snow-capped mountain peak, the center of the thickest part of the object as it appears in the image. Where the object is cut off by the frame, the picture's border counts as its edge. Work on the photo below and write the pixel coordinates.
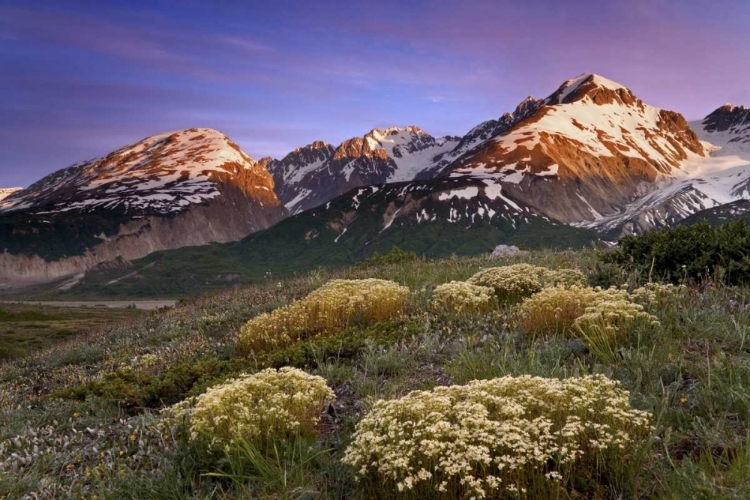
(160, 174)
(410, 148)
(597, 88)
(604, 144)
(294, 166)
(316, 173)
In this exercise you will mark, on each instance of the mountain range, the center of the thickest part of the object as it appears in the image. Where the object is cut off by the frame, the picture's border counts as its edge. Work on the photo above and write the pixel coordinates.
(590, 161)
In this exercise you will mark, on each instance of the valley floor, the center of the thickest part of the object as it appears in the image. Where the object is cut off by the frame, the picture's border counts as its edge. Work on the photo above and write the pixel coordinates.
(145, 305)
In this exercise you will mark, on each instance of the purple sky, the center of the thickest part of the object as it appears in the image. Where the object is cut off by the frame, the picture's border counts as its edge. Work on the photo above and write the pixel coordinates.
(79, 79)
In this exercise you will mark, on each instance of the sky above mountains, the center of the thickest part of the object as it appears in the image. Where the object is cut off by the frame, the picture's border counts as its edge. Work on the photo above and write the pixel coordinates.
(81, 78)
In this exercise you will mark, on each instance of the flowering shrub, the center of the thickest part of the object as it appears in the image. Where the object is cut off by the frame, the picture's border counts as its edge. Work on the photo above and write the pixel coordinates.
(495, 437)
(563, 277)
(461, 297)
(516, 282)
(263, 408)
(330, 308)
(614, 316)
(554, 310)
(510, 283)
(652, 294)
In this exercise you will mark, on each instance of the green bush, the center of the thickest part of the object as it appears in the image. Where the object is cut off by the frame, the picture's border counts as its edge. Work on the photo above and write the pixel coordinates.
(699, 252)
(135, 390)
(395, 256)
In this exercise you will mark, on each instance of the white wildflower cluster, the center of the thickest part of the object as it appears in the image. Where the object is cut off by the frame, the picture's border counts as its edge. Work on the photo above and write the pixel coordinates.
(329, 309)
(263, 408)
(462, 297)
(652, 294)
(562, 277)
(493, 437)
(516, 282)
(555, 310)
(614, 316)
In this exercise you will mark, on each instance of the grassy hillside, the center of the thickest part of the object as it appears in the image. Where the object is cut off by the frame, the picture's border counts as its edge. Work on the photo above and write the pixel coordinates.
(691, 372)
(54, 236)
(308, 241)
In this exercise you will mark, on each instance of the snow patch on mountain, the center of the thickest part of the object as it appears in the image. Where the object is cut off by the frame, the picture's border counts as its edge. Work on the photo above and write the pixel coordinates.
(410, 148)
(701, 183)
(5, 192)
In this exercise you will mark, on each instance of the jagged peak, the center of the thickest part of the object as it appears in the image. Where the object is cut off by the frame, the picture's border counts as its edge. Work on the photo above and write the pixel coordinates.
(378, 133)
(528, 99)
(263, 162)
(731, 108)
(586, 84)
(313, 146)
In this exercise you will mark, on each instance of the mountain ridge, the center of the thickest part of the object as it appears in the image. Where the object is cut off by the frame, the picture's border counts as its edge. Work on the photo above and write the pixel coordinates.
(591, 155)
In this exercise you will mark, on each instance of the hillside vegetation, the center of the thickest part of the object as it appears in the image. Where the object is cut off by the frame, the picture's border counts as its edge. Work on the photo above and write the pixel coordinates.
(518, 382)
(308, 241)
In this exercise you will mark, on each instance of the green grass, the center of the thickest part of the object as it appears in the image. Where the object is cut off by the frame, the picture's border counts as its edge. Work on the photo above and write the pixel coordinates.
(28, 328)
(692, 372)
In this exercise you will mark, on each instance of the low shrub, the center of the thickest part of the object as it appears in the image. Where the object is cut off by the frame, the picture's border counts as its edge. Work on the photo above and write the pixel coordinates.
(462, 297)
(516, 282)
(554, 310)
(698, 252)
(652, 294)
(563, 277)
(331, 308)
(615, 317)
(137, 388)
(395, 256)
(527, 436)
(264, 408)
(510, 283)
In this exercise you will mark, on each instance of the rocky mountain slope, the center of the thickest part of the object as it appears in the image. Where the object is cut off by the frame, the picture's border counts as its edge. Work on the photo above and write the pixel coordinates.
(591, 148)
(702, 186)
(727, 128)
(167, 191)
(314, 174)
(435, 218)
(5, 192)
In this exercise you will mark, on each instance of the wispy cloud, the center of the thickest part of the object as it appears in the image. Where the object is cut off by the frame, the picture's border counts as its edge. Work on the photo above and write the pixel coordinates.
(274, 75)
